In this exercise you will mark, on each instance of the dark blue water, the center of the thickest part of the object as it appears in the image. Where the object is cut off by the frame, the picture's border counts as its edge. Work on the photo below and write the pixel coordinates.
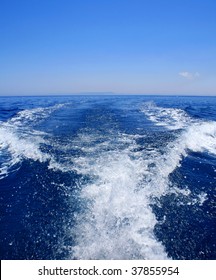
(108, 177)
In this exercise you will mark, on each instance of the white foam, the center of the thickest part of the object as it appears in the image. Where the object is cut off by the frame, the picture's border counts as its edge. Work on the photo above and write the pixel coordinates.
(19, 148)
(202, 197)
(118, 222)
(171, 118)
(35, 115)
(20, 141)
(201, 137)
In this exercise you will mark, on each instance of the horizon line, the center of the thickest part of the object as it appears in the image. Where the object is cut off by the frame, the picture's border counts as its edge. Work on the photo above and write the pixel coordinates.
(106, 94)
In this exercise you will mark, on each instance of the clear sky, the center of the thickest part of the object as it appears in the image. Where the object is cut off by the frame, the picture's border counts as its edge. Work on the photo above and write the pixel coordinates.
(121, 46)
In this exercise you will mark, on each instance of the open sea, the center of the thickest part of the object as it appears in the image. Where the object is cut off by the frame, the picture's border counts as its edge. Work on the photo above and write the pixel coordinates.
(108, 177)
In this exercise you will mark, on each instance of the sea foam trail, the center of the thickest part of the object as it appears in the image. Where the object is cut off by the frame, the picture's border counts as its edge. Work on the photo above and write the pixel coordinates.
(18, 139)
(119, 222)
(171, 118)
(33, 116)
(196, 136)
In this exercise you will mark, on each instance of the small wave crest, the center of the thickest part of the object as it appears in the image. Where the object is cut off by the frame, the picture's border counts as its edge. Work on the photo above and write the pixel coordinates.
(28, 116)
(201, 137)
(18, 140)
(171, 118)
(197, 136)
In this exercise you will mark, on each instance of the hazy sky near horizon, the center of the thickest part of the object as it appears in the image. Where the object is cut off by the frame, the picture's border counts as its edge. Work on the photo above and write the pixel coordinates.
(121, 46)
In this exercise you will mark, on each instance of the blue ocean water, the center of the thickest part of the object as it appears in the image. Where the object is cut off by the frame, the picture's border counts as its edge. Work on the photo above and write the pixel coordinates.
(108, 177)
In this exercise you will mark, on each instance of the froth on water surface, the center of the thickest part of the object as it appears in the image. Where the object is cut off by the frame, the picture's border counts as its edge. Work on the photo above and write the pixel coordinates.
(109, 177)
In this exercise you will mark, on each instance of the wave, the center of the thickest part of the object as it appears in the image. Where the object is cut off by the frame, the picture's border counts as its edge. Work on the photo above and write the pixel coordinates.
(18, 139)
(201, 137)
(171, 118)
(28, 116)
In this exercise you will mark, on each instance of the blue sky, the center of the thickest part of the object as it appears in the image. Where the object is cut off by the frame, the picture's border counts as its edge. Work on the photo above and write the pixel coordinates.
(121, 46)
